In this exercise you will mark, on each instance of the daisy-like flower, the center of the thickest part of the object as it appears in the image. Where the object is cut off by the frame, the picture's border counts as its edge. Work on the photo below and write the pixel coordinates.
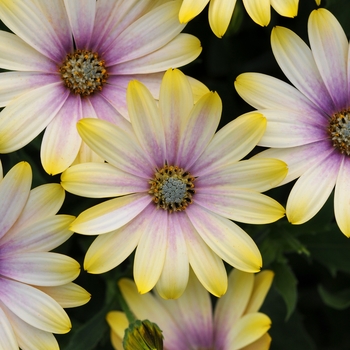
(177, 186)
(35, 284)
(72, 59)
(220, 11)
(308, 126)
(190, 323)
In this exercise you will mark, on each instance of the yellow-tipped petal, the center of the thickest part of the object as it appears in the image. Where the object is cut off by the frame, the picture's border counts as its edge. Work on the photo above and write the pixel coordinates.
(220, 14)
(287, 8)
(190, 9)
(259, 11)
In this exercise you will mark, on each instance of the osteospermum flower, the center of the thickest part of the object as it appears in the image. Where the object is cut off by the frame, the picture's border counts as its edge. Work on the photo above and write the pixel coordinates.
(190, 323)
(35, 284)
(177, 185)
(220, 11)
(308, 126)
(73, 59)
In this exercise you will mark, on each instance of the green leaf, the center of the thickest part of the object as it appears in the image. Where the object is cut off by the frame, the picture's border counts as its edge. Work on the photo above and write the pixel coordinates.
(285, 284)
(339, 300)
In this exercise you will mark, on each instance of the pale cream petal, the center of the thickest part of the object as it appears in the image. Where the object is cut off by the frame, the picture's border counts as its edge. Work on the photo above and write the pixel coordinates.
(175, 104)
(68, 295)
(231, 143)
(259, 11)
(174, 277)
(341, 198)
(146, 122)
(151, 250)
(190, 9)
(247, 330)
(220, 14)
(26, 301)
(230, 308)
(118, 323)
(226, 239)
(262, 284)
(110, 215)
(14, 192)
(8, 340)
(287, 8)
(101, 180)
(313, 189)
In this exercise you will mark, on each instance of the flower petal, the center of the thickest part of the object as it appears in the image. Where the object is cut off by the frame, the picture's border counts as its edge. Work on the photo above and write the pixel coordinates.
(287, 8)
(226, 239)
(242, 205)
(8, 339)
(14, 192)
(151, 250)
(81, 16)
(231, 143)
(330, 49)
(220, 14)
(118, 323)
(101, 255)
(118, 146)
(146, 122)
(110, 215)
(341, 197)
(174, 277)
(312, 189)
(263, 343)
(200, 128)
(26, 116)
(175, 103)
(26, 301)
(100, 180)
(68, 295)
(190, 9)
(259, 11)
(19, 16)
(183, 49)
(40, 268)
(297, 63)
(207, 266)
(61, 141)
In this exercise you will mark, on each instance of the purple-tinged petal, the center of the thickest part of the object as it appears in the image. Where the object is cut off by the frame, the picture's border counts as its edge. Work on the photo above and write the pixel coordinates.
(14, 192)
(81, 16)
(175, 104)
(117, 146)
(26, 116)
(30, 337)
(39, 236)
(183, 49)
(226, 239)
(146, 122)
(8, 338)
(207, 266)
(40, 268)
(231, 143)
(230, 308)
(25, 301)
(16, 54)
(14, 84)
(313, 188)
(146, 35)
(199, 129)
(61, 141)
(297, 63)
(265, 92)
(111, 249)
(342, 197)
(110, 215)
(330, 50)
(31, 24)
(101, 180)
(151, 250)
(174, 277)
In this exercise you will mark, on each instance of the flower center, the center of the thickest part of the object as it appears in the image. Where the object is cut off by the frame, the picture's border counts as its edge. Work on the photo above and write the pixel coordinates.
(172, 188)
(339, 131)
(83, 72)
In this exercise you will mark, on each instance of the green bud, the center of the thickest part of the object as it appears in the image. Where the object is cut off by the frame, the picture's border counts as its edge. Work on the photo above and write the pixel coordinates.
(143, 335)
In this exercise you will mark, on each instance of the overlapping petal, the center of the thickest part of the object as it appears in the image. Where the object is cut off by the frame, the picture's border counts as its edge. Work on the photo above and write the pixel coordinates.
(7, 336)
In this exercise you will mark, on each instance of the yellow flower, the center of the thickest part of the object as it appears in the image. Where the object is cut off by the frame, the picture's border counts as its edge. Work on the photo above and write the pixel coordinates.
(190, 323)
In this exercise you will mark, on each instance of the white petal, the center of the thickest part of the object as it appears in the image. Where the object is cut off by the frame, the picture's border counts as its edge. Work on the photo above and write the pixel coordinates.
(8, 339)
